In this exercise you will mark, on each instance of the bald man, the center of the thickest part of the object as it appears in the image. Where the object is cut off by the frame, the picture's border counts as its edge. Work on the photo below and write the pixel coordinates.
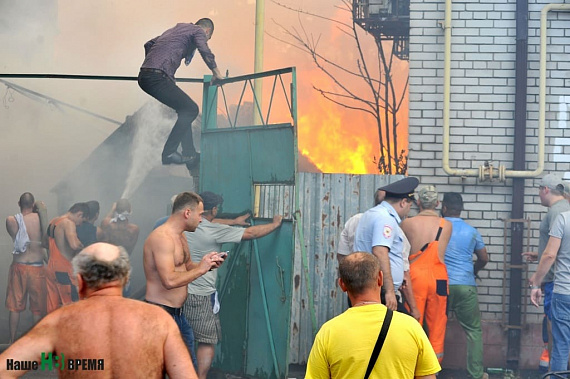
(125, 332)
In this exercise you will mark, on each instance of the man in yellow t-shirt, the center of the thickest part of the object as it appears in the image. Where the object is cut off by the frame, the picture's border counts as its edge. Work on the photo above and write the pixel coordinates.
(343, 346)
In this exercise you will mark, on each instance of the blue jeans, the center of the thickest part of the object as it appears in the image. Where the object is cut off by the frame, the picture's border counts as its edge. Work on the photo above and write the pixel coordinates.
(187, 336)
(548, 287)
(560, 312)
(165, 90)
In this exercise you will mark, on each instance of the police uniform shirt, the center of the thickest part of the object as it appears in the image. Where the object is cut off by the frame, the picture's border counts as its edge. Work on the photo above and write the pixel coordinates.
(379, 227)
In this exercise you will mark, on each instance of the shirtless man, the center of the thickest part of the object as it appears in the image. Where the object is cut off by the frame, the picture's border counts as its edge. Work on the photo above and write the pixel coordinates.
(429, 235)
(63, 245)
(167, 264)
(117, 229)
(126, 332)
(27, 276)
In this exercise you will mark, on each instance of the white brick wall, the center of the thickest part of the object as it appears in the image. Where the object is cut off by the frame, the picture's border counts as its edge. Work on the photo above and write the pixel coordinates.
(482, 115)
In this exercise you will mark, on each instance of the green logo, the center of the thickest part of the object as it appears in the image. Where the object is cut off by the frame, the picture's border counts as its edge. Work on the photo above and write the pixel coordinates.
(50, 361)
(47, 362)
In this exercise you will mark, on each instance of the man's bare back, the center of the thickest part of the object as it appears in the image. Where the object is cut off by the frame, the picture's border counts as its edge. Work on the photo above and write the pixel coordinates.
(122, 234)
(117, 228)
(64, 232)
(134, 339)
(35, 252)
(118, 337)
(422, 229)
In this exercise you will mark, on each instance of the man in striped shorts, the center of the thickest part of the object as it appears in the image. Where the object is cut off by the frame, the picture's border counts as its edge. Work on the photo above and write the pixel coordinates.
(202, 306)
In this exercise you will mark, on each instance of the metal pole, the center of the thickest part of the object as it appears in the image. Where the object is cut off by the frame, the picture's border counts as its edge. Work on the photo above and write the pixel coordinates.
(517, 228)
(258, 64)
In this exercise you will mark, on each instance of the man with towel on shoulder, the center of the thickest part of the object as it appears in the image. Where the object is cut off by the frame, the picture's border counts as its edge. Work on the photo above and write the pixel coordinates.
(26, 277)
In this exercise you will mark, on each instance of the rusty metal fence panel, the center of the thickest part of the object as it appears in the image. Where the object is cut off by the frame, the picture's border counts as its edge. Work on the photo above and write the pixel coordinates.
(326, 202)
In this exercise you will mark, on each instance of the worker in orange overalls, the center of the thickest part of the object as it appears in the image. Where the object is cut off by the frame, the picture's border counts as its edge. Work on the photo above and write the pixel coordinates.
(429, 235)
(63, 244)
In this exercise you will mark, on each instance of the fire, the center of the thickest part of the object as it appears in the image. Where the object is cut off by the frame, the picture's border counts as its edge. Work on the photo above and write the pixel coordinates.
(340, 140)
(334, 140)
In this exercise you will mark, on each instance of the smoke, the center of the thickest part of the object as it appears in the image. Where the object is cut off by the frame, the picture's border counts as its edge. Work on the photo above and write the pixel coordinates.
(152, 124)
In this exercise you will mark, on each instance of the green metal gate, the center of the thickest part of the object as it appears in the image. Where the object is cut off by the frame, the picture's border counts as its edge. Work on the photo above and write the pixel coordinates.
(253, 167)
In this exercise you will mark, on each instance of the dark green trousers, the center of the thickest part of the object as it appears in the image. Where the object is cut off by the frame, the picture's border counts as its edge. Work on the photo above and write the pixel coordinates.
(463, 302)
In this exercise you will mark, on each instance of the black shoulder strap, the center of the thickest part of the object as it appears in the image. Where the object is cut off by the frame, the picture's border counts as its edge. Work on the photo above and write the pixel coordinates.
(441, 224)
(379, 342)
(51, 231)
(438, 233)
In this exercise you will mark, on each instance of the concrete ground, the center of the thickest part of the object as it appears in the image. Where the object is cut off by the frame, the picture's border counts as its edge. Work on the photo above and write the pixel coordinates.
(298, 372)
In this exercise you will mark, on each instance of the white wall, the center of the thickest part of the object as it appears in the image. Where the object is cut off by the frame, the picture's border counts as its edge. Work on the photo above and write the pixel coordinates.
(482, 116)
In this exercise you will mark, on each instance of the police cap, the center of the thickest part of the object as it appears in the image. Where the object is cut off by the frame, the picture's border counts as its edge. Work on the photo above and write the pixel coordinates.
(402, 188)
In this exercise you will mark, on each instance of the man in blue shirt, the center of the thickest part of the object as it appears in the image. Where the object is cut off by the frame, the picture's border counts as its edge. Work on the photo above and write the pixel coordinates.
(378, 233)
(464, 242)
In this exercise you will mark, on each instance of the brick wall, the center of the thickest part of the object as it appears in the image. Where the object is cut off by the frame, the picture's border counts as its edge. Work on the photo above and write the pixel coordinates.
(482, 118)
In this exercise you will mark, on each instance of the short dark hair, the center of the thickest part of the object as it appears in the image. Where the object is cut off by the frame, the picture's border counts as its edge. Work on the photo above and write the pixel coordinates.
(379, 196)
(211, 200)
(359, 272)
(80, 207)
(206, 23)
(94, 208)
(26, 200)
(453, 202)
(186, 199)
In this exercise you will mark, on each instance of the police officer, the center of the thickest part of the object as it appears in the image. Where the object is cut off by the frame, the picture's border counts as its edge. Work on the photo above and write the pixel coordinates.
(378, 233)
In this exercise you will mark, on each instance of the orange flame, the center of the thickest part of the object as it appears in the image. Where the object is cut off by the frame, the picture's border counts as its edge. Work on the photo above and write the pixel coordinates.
(341, 140)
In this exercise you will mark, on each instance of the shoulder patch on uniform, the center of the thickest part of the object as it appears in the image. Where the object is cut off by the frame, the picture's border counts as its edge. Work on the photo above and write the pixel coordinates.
(387, 231)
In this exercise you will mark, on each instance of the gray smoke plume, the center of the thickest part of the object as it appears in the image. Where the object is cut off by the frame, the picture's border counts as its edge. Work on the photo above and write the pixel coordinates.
(152, 124)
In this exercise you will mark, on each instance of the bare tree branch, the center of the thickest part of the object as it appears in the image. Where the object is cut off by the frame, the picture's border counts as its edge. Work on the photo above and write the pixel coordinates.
(382, 100)
(301, 11)
(305, 47)
(367, 102)
(343, 104)
(404, 91)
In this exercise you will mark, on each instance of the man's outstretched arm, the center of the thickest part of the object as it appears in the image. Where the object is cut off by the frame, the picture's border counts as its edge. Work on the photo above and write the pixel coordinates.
(258, 231)
(29, 347)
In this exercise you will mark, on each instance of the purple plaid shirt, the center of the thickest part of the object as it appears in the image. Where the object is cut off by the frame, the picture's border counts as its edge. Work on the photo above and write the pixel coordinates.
(166, 51)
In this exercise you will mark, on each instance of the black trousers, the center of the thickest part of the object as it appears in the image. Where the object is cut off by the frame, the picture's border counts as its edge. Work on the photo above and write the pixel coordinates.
(165, 90)
(401, 308)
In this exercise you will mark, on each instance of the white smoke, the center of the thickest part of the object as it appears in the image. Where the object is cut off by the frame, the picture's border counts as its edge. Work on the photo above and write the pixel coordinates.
(152, 123)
